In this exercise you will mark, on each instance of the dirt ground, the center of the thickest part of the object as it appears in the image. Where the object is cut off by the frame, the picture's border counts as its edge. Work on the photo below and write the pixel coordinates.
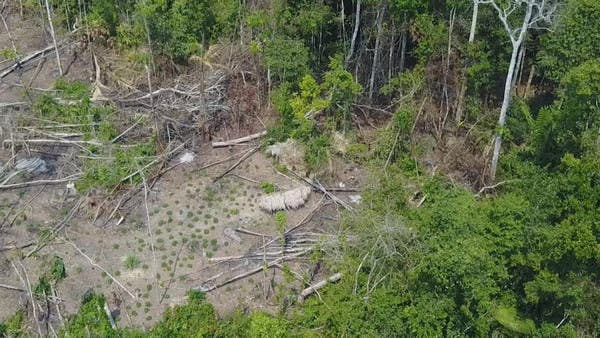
(188, 216)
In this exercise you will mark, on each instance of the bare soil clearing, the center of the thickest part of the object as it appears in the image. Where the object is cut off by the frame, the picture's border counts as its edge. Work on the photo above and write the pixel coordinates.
(189, 215)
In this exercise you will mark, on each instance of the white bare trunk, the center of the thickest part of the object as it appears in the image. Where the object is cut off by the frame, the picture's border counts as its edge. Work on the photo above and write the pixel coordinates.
(380, 13)
(391, 55)
(60, 71)
(355, 33)
(474, 21)
(508, 84)
(505, 104)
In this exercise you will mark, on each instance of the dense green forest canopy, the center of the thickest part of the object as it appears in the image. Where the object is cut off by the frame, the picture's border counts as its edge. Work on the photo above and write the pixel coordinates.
(518, 256)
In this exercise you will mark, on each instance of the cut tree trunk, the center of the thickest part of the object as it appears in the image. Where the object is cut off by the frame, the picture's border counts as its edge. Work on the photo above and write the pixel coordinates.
(315, 287)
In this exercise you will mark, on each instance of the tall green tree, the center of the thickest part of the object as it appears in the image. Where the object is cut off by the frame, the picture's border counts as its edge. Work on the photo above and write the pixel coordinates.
(574, 39)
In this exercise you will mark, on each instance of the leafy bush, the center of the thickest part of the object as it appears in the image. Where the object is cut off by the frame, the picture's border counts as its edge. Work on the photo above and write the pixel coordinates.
(13, 326)
(268, 187)
(281, 221)
(90, 321)
(571, 124)
(265, 326)
(131, 262)
(72, 89)
(194, 319)
(317, 153)
(286, 58)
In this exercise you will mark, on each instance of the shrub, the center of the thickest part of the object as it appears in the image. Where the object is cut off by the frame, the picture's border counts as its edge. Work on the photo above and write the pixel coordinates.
(131, 262)
(267, 187)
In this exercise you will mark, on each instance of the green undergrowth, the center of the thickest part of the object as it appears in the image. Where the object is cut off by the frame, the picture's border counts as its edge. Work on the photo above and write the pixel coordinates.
(123, 162)
(73, 107)
(106, 164)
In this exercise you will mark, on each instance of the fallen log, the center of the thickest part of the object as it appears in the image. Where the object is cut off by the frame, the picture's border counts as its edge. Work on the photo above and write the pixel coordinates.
(239, 140)
(315, 287)
(24, 60)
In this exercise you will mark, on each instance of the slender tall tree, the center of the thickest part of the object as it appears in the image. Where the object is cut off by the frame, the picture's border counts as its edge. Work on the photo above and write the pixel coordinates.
(536, 14)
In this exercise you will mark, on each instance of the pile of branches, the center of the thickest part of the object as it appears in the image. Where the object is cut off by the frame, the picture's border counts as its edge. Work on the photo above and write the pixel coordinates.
(193, 102)
(292, 246)
(273, 254)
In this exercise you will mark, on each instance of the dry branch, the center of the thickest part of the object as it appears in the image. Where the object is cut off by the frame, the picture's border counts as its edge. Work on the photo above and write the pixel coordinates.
(242, 159)
(248, 232)
(162, 157)
(250, 273)
(239, 140)
(19, 246)
(212, 164)
(491, 187)
(13, 104)
(40, 182)
(58, 227)
(308, 216)
(50, 142)
(33, 304)
(10, 287)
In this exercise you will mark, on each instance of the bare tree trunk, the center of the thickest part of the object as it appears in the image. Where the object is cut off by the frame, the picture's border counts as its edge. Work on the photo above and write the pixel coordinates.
(474, 21)
(380, 14)
(391, 54)
(451, 21)
(60, 71)
(343, 17)
(529, 80)
(543, 14)
(354, 34)
(463, 87)
(149, 41)
(503, 110)
(516, 46)
(403, 44)
(518, 67)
